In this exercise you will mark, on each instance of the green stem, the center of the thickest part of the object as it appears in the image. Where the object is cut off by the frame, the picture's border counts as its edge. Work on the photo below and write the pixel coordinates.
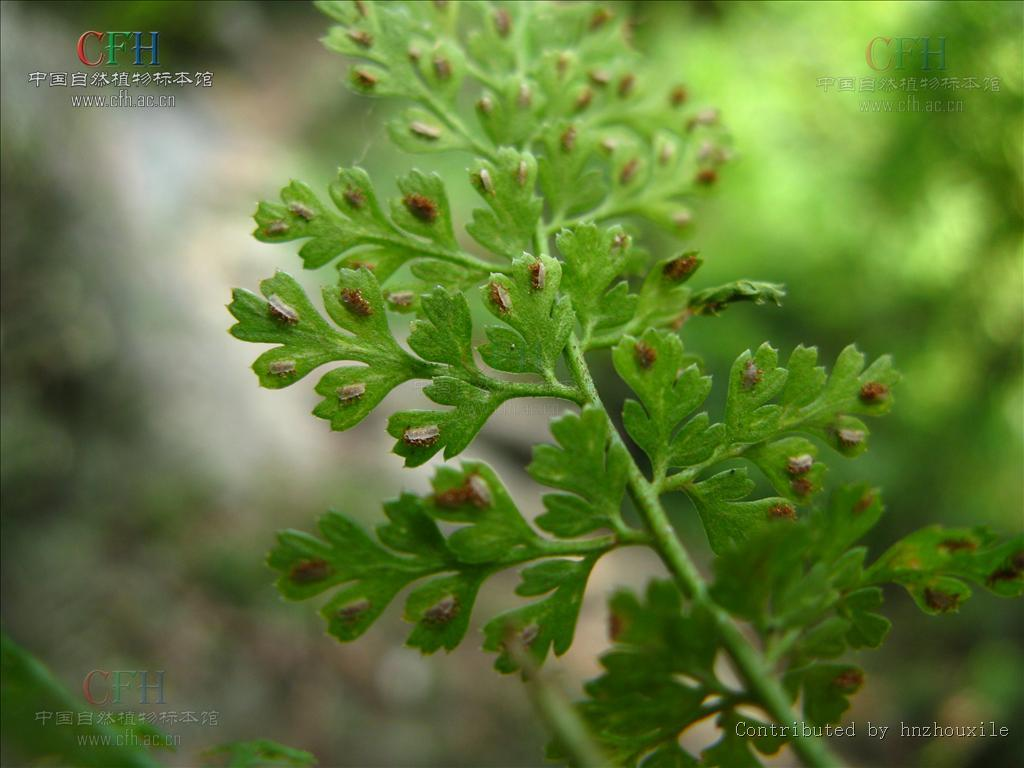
(451, 119)
(779, 645)
(540, 548)
(460, 258)
(680, 480)
(563, 721)
(607, 340)
(599, 545)
(542, 389)
(481, 76)
(753, 670)
(557, 712)
(616, 207)
(549, 547)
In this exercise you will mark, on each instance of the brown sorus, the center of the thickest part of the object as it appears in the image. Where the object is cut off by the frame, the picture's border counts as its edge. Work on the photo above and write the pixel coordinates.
(355, 197)
(873, 392)
(568, 138)
(750, 376)
(302, 211)
(355, 302)
(421, 207)
(704, 117)
(849, 679)
(707, 176)
(782, 512)
(645, 355)
(424, 130)
(521, 173)
(850, 438)
(628, 171)
(1002, 574)
(474, 490)
(502, 22)
(863, 503)
(361, 37)
(401, 298)
(421, 437)
(538, 275)
(525, 97)
(351, 613)
(626, 84)
(799, 465)
(479, 493)
(486, 182)
(682, 267)
(584, 99)
(940, 601)
(958, 545)
(281, 311)
(529, 633)
(601, 17)
(350, 393)
(615, 626)
(499, 297)
(801, 486)
(364, 78)
(443, 611)
(442, 68)
(281, 367)
(310, 571)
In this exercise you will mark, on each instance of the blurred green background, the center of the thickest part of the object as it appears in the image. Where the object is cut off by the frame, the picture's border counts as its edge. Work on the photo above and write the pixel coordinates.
(144, 472)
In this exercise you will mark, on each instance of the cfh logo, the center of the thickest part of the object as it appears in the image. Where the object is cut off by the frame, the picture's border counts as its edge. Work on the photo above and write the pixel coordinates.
(103, 687)
(884, 53)
(92, 45)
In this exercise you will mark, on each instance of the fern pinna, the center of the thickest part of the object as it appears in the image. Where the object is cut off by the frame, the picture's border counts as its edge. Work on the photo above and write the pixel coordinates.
(574, 146)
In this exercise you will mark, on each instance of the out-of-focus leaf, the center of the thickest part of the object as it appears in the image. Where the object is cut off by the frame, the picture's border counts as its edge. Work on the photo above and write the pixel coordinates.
(933, 564)
(31, 697)
(260, 753)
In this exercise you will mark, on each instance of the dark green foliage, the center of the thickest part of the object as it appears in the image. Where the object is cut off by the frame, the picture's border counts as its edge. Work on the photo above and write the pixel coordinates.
(809, 596)
(261, 753)
(365, 573)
